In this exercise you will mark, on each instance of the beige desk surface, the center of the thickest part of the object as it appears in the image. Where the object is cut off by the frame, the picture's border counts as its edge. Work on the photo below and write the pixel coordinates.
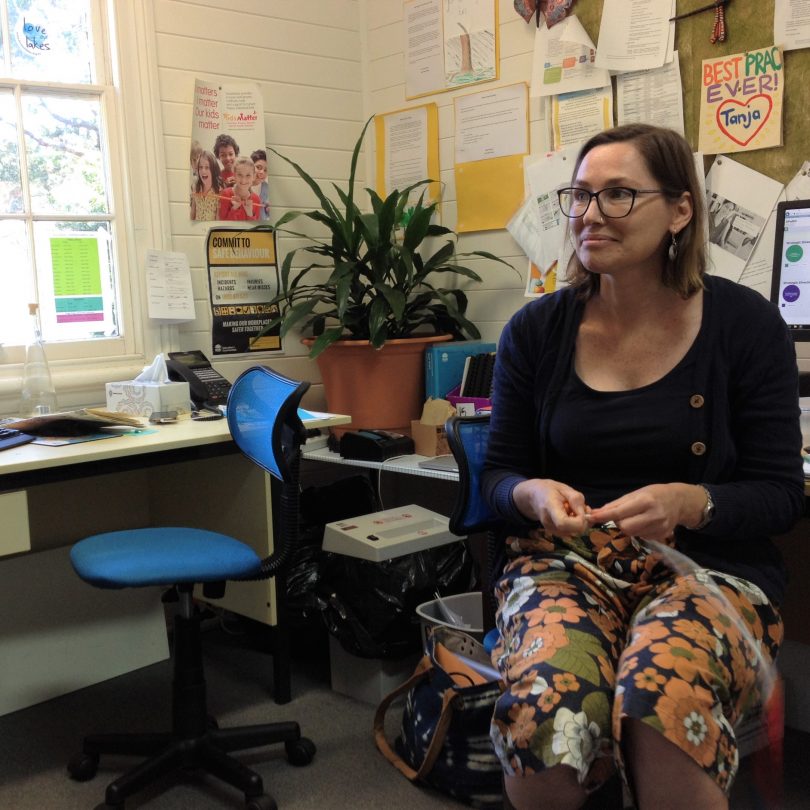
(157, 438)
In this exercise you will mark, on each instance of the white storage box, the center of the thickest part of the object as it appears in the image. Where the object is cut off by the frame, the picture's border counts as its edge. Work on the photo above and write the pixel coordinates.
(144, 398)
(367, 679)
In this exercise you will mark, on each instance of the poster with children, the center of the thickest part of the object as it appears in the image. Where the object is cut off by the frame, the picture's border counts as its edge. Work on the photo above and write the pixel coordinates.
(741, 102)
(228, 159)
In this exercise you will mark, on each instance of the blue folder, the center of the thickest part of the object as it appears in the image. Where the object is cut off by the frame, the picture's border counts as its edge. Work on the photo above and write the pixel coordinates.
(444, 364)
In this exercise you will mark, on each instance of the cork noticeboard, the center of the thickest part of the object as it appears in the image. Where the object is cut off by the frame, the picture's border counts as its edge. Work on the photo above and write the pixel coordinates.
(749, 26)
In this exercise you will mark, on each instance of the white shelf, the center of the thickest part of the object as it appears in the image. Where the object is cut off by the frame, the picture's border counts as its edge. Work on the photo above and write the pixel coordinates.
(408, 465)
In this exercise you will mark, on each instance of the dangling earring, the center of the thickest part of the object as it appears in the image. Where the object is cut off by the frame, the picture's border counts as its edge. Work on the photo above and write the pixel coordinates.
(673, 249)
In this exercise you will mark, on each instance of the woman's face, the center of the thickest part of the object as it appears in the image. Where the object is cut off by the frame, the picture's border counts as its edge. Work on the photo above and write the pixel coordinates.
(204, 171)
(609, 245)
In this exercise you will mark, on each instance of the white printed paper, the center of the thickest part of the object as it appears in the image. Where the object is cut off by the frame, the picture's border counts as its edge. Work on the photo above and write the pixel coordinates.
(575, 117)
(168, 286)
(759, 270)
(634, 34)
(791, 24)
(406, 148)
(564, 60)
(491, 124)
(739, 202)
(424, 47)
(652, 96)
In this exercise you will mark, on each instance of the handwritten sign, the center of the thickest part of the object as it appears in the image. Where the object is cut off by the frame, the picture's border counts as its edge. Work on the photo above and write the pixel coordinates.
(741, 101)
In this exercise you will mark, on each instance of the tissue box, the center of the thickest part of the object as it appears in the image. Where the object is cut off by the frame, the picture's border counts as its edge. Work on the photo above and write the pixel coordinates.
(144, 398)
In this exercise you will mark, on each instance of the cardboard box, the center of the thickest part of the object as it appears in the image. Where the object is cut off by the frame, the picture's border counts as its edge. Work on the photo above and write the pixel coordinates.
(429, 440)
(144, 398)
(428, 434)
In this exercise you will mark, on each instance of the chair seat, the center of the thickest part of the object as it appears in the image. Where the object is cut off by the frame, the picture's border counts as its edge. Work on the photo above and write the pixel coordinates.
(135, 558)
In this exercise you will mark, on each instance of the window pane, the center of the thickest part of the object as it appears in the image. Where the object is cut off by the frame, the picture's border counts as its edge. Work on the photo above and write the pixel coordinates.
(11, 196)
(16, 281)
(50, 40)
(65, 162)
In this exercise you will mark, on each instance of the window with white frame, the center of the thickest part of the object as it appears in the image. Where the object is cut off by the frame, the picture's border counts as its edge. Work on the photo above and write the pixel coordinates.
(63, 154)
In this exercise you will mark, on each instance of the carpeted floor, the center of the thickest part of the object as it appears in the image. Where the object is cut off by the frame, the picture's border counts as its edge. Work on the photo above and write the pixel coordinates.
(347, 772)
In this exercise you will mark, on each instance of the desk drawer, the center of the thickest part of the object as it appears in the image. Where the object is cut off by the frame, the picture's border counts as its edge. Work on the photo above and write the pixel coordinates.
(15, 535)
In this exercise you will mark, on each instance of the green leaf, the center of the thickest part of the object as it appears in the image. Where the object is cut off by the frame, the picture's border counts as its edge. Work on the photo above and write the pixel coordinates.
(325, 340)
(541, 743)
(377, 316)
(417, 228)
(597, 710)
(579, 657)
(395, 298)
(355, 155)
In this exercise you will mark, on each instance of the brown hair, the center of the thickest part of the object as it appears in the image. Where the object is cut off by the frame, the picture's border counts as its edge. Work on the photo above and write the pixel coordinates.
(669, 159)
(213, 165)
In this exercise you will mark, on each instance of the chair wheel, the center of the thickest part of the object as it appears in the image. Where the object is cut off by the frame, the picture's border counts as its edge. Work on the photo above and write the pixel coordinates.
(300, 751)
(82, 767)
(263, 802)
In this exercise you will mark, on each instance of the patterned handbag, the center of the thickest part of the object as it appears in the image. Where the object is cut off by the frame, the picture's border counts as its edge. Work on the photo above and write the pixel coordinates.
(444, 739)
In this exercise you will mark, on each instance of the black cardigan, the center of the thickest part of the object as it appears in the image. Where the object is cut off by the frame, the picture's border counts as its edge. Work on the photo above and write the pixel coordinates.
(743, 422)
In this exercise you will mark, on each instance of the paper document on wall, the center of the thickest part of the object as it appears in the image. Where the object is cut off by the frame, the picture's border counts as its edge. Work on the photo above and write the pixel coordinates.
(739, 200)
(564, 60)
(407, 151)
(791, 24)
(759, 270)
(491, 137)
(168, 287)
(575, 117)
(651, 96)
(449, 44)
(635, 34)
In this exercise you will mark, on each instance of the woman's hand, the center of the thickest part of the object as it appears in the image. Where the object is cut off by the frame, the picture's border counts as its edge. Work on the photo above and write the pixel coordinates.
(560, 508)
(653, 512)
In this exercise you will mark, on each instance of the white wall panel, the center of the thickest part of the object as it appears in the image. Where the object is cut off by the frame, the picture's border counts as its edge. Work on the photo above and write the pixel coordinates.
(307, 61)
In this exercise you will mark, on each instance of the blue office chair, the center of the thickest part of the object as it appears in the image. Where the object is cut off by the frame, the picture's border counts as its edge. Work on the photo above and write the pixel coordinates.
(467, 437)
(263, 420)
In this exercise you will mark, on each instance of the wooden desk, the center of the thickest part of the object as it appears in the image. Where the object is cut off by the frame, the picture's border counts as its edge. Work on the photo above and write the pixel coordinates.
(58, 634)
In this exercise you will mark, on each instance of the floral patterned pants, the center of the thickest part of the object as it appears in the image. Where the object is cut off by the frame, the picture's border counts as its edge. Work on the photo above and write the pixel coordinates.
(597, 628)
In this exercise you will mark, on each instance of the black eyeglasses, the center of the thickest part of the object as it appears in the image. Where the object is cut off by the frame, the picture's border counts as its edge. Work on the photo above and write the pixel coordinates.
(614, 202)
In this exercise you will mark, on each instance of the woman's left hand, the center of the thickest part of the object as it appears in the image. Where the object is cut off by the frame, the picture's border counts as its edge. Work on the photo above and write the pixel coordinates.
(653, 512)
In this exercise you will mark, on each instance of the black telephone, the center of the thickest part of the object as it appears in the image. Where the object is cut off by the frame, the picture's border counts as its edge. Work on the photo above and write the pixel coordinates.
(206, 385)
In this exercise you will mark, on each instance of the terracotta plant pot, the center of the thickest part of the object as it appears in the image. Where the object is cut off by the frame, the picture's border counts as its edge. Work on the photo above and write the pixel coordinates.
(379, 388)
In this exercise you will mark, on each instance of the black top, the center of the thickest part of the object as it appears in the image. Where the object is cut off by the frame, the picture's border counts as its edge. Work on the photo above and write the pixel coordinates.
(640, 435)
(740, 434)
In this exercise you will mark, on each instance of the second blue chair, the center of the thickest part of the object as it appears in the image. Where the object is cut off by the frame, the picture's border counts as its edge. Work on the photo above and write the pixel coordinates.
(264, 422)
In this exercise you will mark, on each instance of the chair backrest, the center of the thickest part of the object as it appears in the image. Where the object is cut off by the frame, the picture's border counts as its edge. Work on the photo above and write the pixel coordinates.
(467, 437)
(263, 419)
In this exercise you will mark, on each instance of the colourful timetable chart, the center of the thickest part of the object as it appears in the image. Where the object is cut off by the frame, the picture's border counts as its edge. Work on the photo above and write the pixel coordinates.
(77, 281)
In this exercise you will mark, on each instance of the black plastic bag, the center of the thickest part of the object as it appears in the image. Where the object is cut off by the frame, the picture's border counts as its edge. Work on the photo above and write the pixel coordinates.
(320, 505)
(370, 607)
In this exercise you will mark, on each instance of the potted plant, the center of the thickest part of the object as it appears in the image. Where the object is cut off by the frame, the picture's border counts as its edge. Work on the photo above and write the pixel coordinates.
(374, 281)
